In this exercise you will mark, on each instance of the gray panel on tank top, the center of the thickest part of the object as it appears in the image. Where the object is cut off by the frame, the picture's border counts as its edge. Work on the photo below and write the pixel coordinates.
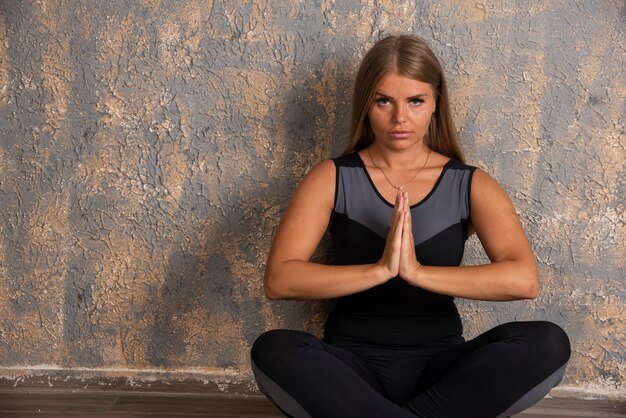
(446, 206)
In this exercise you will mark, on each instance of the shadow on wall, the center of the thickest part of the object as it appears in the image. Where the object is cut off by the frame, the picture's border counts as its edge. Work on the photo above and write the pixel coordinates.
(211, 306)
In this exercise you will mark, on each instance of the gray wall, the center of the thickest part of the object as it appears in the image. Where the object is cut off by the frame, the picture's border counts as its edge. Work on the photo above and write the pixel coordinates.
(148, 148)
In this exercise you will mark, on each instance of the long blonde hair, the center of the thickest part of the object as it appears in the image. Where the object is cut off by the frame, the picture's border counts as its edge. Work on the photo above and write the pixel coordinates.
(410, 57)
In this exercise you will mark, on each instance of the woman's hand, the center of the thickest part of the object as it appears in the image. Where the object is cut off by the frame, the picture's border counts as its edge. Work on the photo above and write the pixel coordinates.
(409, 265)
(399, 254)
(390, 260)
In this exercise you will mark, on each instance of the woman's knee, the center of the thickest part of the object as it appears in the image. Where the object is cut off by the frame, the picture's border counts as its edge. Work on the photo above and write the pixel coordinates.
(276, 344)
(545, 342)
(555, 342)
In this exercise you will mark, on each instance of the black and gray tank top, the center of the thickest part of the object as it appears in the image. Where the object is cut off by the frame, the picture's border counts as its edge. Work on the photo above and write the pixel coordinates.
(396, 313)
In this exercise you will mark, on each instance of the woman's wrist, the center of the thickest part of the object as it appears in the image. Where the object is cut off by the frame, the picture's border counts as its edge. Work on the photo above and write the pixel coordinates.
(415, 277)
(381, 273)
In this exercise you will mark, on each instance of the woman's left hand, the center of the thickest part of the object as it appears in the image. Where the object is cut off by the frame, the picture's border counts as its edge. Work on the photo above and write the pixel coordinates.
(409, 266)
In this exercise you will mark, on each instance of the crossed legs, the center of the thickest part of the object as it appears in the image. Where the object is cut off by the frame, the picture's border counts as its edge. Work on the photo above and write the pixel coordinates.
(497, 374)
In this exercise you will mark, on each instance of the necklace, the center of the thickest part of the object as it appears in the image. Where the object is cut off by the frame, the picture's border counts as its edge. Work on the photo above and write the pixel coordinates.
(398, 188)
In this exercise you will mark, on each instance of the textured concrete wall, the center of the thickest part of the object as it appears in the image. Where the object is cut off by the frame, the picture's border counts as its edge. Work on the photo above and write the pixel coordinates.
(147, 149)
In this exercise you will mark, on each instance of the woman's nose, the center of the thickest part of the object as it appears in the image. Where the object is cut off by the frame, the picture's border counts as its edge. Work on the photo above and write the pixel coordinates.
(399, 114)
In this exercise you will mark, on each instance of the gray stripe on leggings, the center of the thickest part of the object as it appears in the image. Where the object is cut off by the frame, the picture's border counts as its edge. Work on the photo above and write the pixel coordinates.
(535, 394)
(278, 395)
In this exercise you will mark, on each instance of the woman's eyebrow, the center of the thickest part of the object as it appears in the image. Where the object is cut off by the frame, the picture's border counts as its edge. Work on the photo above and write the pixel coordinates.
(415, 96)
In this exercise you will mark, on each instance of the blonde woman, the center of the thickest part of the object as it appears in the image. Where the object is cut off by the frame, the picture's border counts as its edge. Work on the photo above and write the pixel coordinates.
(399, 205)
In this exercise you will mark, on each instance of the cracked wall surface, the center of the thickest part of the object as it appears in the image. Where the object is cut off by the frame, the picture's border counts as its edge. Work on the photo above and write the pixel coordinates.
(147, 150)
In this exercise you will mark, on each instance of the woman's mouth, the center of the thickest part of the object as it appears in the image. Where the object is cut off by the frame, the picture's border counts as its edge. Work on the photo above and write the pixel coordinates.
(400, 134)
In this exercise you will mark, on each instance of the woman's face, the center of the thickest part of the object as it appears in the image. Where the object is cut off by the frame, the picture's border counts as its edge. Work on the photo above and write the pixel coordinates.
(401, 111)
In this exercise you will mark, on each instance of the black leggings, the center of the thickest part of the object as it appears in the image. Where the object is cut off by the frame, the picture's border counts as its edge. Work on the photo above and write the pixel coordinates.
(497, 374)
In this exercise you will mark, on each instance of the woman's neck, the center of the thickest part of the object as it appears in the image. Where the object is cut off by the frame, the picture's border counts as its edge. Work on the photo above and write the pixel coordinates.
(398, 160)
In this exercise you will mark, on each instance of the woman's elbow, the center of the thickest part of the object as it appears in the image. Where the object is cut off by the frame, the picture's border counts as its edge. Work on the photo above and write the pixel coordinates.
(272, 291)
(271, 294)
(524, 284)
(530, 289)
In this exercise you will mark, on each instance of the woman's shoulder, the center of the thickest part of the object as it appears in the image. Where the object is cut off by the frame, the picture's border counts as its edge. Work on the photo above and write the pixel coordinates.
(323, 168)
(320, 175)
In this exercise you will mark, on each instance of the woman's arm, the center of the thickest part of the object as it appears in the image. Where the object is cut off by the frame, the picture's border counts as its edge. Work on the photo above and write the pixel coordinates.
(289, 274)
(512, 273)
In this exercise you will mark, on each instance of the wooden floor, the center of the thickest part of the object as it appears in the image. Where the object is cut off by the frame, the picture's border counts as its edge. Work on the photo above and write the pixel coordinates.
(41, 402)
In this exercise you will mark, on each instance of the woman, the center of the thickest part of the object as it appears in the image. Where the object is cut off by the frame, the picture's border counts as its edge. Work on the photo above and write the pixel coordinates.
(400, 204)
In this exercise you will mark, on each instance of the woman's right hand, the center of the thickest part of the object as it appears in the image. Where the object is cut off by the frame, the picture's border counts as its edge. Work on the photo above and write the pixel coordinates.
(390, 260)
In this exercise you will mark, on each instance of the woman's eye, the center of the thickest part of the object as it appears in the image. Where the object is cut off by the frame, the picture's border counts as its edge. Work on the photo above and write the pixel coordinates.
(416, 102)
(382, 101)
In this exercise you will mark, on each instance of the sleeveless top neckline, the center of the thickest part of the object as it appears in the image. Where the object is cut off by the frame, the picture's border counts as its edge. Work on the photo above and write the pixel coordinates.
(424, 199)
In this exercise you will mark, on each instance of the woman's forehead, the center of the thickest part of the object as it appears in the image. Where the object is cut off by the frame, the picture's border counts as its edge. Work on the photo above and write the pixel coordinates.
(397, 84)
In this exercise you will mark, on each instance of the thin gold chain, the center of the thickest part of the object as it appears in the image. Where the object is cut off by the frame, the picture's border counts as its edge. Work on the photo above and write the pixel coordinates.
(398, 188)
